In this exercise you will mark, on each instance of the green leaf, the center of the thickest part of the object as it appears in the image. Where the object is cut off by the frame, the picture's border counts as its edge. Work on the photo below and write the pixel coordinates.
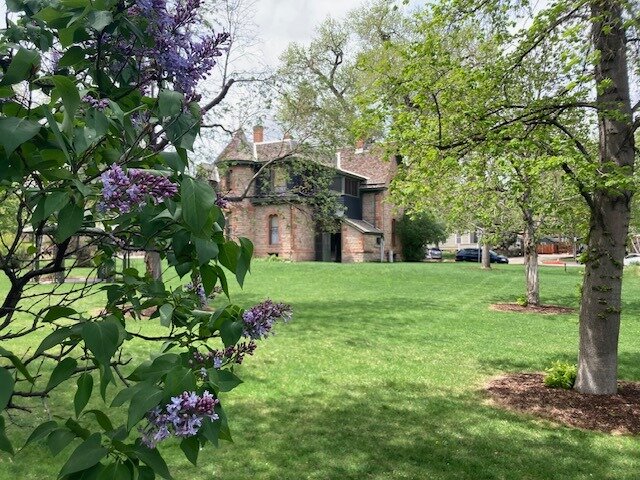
(244, 259)
(70, 221)
(86, 455)
(153, 459)
(179, 380)
(223, 280)
(102, 419)
(209, 278)
(141, 403)
(170, 103)
(5, 444)
(56, 312)
(16, 131)
(103, 339)
(83, 394)
(6, 387)
(41, 431)
(206, 249)
(166, 313)
(62, 372)
(175, 160)
(71, 57)
(115, 471)
(66, 89)
(198, 199)
(24, 64)
(53, 339)
(223, 380)
(231, 331)
(229, 255)
(191, 448)
(98, 20)
(59, 439)
(54, 202)
(17, 363)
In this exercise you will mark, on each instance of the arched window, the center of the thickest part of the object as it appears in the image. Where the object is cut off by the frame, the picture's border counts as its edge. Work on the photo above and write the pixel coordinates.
(274, 234)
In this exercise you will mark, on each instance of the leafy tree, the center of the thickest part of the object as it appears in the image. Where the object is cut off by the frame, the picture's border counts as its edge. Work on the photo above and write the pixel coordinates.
(484, 79)
(99, 111)
(416, 232)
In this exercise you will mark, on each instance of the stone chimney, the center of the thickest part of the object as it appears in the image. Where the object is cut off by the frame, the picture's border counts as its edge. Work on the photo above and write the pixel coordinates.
(258, 134)
(287, 136)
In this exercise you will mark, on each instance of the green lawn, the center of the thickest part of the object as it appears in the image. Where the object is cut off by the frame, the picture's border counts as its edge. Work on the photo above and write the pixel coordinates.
(380, 376)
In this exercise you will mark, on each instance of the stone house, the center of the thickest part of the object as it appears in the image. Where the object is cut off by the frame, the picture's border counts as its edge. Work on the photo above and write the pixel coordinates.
(263, 208)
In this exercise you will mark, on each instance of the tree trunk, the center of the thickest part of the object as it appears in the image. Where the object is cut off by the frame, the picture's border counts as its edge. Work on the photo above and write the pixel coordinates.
(154, 265)
(531, 262)
(610, 209)
(486, 256)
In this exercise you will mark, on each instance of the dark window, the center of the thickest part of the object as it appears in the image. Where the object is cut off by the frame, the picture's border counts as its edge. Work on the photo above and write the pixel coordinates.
(274, 234)
(351, 187)
(227, 179)
(336, 184)
(473, 237)
(393, 232)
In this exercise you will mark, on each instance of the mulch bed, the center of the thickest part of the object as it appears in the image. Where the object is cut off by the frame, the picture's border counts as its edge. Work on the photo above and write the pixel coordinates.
(542, 309)
(524, 392)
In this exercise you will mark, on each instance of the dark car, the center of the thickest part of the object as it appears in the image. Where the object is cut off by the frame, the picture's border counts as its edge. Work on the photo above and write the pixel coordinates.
(475, 255)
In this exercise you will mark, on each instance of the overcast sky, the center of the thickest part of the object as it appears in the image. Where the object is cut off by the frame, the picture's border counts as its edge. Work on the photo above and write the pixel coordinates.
(283, 21)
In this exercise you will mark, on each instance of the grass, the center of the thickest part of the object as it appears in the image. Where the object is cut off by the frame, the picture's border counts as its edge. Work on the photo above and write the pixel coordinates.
(380, 376)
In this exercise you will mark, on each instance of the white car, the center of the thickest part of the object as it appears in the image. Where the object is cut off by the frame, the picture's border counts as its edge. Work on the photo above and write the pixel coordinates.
(632, 259)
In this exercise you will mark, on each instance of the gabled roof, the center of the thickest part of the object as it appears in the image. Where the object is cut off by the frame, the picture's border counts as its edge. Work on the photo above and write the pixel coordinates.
(238, 148)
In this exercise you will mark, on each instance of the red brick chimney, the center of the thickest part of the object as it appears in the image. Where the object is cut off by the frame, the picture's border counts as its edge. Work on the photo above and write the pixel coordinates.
(360, 144)
(258, 134)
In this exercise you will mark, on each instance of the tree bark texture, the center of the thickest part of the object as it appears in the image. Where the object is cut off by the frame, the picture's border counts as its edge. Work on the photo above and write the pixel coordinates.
(610, 210)
(154, 265)
(531, 262)
(486, 256)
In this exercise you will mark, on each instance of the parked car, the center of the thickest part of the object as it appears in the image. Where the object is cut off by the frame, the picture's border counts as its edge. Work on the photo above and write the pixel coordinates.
(434, 254)
(475, 255)
(632, 259)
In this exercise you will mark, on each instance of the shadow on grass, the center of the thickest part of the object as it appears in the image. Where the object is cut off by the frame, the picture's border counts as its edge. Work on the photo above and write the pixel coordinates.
(365, 435)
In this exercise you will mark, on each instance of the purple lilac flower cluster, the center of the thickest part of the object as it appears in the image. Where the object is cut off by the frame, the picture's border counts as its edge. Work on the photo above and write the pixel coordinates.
(181, 49)
(218, 358)
(259, 319)
(182, 417)
(125, 191)
(199, 291)
(98, 104)
(221, 201)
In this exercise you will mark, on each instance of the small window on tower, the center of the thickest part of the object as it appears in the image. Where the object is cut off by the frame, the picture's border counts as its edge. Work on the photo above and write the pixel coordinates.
(274, 234)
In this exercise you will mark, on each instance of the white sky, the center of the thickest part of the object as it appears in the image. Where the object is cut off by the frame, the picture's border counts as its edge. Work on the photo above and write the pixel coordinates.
(283, 21)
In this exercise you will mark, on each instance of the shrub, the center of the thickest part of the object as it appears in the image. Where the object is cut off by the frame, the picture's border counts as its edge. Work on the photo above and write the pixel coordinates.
(561, 375)
(415, 232)
(522, 301)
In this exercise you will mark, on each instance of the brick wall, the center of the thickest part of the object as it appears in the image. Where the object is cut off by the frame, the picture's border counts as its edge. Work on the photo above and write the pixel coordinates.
(352, 244)
(369, 207)
(296, 230)
(234, 180)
